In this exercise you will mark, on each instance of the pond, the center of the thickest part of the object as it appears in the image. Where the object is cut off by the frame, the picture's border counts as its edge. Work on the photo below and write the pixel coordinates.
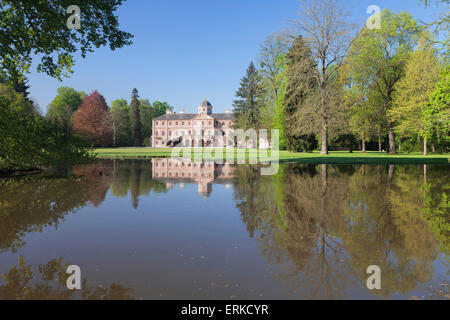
(164, 229)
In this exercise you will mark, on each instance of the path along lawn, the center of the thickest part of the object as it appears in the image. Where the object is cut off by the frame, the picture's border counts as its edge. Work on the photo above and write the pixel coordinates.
(335, 157)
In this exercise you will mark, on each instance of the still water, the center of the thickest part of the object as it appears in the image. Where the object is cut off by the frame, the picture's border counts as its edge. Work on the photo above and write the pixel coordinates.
(162, 229)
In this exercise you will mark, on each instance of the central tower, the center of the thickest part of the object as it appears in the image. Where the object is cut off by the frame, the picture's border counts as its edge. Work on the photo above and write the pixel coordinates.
(205, 107)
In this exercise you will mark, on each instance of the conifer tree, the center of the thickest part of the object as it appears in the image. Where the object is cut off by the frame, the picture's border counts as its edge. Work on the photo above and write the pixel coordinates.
(135, 115)
(302, 120)
(249, 100)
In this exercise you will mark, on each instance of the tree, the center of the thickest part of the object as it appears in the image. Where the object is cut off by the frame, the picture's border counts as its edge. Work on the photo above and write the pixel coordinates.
(249, 100)
(18, 102)
(64, 105)
(92, 120)
(442, 23)
(120, 116)
(160, 108)
(301, 117)
(146, 115)
(273, 70)
(135, 116)
(378, 58)
(324, 26)
(28, 140)
(39, 28)
(422, 72)
(436, 112)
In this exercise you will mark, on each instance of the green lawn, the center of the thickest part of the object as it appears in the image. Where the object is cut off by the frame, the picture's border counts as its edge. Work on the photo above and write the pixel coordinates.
(335, 157)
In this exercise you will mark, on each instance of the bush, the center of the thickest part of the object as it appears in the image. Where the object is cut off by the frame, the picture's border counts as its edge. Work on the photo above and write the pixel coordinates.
(305, 143)
(30, 141)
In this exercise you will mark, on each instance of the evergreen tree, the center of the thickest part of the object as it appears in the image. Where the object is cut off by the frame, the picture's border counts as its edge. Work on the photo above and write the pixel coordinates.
(301, 123)
(249, 100)
(135, 115)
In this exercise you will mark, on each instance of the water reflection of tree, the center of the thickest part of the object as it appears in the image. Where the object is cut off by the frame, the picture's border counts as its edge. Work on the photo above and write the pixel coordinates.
(388, 228)
(296, 217)
(21, 284)
(323, 224)
(30, 204)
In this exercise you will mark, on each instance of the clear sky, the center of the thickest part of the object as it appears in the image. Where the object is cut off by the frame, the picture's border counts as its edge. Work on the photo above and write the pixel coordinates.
(184, 50)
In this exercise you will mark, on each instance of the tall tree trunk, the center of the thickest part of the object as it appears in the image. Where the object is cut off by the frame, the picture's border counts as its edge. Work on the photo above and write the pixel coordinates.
(114, 134)
(379, 141)
(364, 142)
(392, 149)
(324, 123)
(425, 147)
(433, 148)
(425, 173)
(324, 137)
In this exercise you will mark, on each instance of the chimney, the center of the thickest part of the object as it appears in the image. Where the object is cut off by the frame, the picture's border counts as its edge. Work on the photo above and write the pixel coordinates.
(228, 111)
(182, 111)
(168, 111)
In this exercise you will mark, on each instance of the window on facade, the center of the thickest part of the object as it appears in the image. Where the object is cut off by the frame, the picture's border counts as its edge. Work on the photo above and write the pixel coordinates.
(156, 123)
(156, 133)
(182, 123)
(170, 133)
(210, 123)
(176, 123)
(170, 123)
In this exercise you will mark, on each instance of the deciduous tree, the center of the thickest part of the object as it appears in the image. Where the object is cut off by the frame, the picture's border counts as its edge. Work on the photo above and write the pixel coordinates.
(422, 72)
(325, 27)
(93, 120)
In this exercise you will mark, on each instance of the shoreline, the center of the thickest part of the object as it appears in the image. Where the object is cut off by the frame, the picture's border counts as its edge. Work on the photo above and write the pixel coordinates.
(335, 157)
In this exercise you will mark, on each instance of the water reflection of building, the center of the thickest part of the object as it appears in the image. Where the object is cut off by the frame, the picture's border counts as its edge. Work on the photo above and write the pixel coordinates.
(179, 171)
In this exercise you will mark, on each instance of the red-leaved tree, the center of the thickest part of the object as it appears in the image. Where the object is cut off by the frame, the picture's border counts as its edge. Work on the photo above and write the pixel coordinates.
(93, 120)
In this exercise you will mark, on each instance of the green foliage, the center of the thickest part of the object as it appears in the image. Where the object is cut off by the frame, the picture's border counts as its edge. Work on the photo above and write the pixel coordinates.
(18, 102)
(378, 58)
(436, 112)
(27, 140)
(301, 117)
(249, 100)
(120, 116)
(146, 115)
(64, 105)
(39, 28)
(413, 90)
(135, 116)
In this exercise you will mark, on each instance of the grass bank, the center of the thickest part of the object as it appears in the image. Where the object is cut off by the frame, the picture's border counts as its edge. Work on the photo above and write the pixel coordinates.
(335, 157)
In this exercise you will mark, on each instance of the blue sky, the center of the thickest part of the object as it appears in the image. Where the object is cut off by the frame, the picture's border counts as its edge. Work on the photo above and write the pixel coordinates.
(184, 50)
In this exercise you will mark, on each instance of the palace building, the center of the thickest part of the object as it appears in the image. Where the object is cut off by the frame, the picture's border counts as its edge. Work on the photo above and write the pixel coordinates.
(204, 129)
(205, 174)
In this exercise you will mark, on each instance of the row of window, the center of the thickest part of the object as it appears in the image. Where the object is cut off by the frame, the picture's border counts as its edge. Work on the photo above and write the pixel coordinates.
(163, 123)
(182, 133)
